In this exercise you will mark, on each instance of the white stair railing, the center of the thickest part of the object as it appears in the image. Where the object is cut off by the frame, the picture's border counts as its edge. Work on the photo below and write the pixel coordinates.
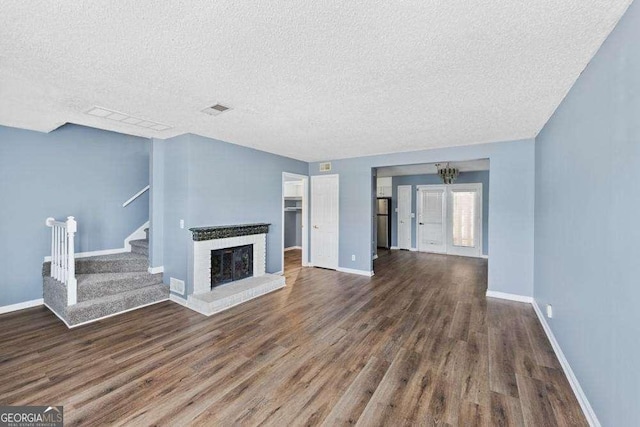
(63, 263)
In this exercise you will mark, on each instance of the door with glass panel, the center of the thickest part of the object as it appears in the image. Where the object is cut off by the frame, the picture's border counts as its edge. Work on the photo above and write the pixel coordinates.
(450, 219)
(464, 220)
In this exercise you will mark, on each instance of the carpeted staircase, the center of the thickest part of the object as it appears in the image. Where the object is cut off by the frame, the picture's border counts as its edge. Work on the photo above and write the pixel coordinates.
(107, 285)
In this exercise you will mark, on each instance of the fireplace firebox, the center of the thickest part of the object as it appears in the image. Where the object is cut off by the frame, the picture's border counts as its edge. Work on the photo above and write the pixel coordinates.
(231, 264)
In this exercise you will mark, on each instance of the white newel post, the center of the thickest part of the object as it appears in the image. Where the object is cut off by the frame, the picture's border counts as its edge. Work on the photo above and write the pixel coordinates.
(63, 265)
(72, 283)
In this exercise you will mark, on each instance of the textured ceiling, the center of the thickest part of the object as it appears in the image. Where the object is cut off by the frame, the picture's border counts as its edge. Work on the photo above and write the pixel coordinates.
(308, 79)
(430, 168)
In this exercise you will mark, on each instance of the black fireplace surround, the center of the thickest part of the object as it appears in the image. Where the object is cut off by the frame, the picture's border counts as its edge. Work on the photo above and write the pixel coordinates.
(231, 264)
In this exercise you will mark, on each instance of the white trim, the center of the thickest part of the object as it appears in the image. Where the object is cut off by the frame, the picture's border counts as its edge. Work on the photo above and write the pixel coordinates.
(399, 220)
(354, 271)
(135, 196)
(292, 248)
(278, 273)
(156, 270)
(484, 256)
(21, 305)
(394, 248)
(413, 249)
(178, 299)
(588, 411)
(138, 234)
(103, 317)
(304, 213)
(95, 253)
(510, 297)
(375, 257)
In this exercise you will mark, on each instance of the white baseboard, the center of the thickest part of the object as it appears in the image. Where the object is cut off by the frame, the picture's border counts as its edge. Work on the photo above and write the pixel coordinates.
(136, 235)
(375, 257)
(177, 299)
(588, 411)
(96, 253)
(510, 297)
(156, 270)
(394, 248)
(279, 273)
(353, 271)
(293, 248)
(484, 256)
(21, 305)
(414, 249)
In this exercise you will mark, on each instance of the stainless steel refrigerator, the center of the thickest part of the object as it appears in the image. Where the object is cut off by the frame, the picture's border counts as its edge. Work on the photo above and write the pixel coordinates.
(384, 222)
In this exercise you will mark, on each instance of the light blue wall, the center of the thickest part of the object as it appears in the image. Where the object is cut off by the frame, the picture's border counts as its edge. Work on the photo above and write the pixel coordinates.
(433, 179)
(292, 229)
(511, 199)
(211, 182)
(72, 171)
(587, 253)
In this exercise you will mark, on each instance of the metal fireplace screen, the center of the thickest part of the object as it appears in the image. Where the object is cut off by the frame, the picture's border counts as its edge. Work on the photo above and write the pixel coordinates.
(230, 264)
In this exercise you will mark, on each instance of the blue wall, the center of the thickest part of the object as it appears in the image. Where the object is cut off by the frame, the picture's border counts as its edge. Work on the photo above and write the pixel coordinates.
(72, 171)
(587, 253)
(511, 199)
(433, 179)
(211, 182)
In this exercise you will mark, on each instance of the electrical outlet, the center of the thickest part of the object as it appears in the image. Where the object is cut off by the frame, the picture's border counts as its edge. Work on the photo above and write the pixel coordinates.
(353, 257)
(549, 311)
(182, 223)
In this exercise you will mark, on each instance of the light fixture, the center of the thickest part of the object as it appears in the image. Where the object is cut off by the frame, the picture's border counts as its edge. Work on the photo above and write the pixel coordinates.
(447, 173)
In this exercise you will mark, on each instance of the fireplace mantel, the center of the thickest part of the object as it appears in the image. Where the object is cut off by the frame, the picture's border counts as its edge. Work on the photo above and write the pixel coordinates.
(224, 231)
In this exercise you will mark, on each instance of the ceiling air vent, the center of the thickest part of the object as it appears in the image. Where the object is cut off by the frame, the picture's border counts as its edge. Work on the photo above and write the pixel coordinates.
(325, 167)
(214, 110)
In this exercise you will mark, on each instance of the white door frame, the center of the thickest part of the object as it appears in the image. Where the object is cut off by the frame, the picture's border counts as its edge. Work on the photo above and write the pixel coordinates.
(447, 202)
(337, 248)
(304, 213)
(399, 219)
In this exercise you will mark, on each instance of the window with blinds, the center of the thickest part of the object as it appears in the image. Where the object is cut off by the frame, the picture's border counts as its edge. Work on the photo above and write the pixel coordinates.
(464, 218)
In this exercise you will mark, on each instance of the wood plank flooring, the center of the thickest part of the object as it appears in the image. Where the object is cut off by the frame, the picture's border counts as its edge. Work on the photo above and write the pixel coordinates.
(417, 344)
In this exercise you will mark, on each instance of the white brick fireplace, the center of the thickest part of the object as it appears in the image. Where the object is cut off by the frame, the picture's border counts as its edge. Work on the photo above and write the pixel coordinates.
(209, 301)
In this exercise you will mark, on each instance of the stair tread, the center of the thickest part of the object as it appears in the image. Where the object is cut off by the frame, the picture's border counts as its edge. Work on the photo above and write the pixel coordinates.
(92, 278)
(140, 242)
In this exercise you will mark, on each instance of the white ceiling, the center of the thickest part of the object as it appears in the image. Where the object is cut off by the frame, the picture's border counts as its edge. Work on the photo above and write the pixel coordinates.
(430, 168)
(308, 79)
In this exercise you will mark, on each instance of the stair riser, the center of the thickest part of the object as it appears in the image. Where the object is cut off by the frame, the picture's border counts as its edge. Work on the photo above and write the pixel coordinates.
(98, 290)
(140, 250)
(143, 296)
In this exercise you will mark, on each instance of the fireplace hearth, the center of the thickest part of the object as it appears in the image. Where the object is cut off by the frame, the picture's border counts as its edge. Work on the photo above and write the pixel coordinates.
(231, 264)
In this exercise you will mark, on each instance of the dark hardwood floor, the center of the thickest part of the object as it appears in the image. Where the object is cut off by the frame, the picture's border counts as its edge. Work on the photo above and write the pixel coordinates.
(418, 344)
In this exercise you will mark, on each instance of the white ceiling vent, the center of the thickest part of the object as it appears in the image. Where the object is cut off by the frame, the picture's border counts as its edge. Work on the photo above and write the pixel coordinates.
(125, 118)
(215, 110)
(325, 167)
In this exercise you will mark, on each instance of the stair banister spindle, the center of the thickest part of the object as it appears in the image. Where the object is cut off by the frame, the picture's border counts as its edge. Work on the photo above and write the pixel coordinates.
(72, 283)
(57, 254)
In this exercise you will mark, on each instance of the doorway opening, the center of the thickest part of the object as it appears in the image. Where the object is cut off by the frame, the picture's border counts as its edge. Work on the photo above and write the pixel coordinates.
(295, 235)
(426, 212)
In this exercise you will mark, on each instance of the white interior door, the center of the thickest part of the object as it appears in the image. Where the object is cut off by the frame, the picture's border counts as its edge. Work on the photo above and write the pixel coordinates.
(324, 221)
(465, 220)
(404, 216)
(432, 219)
